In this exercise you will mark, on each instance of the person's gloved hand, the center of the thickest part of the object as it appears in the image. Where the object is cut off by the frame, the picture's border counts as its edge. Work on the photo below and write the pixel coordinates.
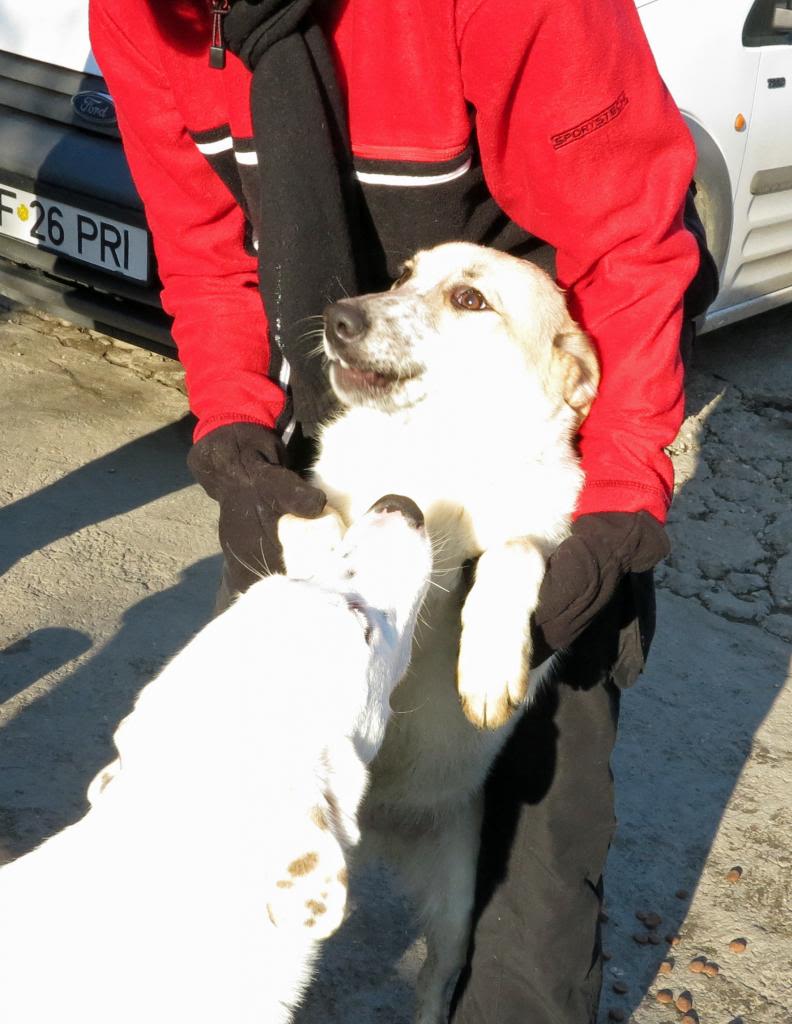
(241, 467)
(584, 572)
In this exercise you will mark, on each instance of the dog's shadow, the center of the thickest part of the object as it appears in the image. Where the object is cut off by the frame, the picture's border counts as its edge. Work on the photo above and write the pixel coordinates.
(366, 971)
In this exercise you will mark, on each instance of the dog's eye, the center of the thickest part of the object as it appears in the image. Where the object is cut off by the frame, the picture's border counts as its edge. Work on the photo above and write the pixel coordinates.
(468, 298)
(404, 275)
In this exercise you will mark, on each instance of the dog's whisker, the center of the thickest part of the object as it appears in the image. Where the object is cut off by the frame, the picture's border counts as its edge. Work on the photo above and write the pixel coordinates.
(264, 557)
(315, 332)
(411, 711)
(246, 565)
(341, 286)
(311, 316)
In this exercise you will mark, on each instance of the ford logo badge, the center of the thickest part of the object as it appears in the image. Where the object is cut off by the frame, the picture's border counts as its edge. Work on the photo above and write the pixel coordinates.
(95, 107)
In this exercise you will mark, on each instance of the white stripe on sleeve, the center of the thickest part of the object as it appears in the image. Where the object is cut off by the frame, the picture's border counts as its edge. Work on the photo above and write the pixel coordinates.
(413, 180)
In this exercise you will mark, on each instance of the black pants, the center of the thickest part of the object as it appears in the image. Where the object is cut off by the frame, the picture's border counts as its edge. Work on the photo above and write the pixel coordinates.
(535, 955)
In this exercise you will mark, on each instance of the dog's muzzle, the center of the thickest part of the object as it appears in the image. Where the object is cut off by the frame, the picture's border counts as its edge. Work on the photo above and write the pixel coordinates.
(400, 503)
(345, 324)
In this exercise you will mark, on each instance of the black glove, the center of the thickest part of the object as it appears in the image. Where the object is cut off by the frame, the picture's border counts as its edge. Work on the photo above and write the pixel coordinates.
(241, 467)
(585, 570)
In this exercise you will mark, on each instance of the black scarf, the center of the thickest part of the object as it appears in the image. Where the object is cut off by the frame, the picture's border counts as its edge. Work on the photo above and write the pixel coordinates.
(309, 225)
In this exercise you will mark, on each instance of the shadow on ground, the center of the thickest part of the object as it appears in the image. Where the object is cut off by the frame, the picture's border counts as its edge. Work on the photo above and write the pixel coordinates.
(131, 476)
(58, 739)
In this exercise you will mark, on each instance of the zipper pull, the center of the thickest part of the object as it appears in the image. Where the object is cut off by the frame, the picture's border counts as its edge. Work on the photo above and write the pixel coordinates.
(217, 51)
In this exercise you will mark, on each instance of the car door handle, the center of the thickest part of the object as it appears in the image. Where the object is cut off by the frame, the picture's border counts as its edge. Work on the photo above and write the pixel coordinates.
(776, 83)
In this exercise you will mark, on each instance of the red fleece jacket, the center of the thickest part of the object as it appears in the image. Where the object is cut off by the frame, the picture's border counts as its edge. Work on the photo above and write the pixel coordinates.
(580, 145)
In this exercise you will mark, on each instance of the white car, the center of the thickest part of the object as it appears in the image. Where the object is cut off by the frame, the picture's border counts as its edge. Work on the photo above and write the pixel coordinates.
(73, 236)
(728, 65)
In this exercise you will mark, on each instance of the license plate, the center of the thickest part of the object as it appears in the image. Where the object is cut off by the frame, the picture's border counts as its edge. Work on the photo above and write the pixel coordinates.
(79, 234)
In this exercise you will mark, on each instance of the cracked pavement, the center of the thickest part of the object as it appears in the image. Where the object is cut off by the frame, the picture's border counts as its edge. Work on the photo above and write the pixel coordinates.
(110, 563)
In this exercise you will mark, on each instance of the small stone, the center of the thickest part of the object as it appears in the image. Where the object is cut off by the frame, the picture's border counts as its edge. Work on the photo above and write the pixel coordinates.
(666, 967)
(620, 988)
(781, 581)
(711, 970)
(779, 624)
(641, 938)
(769, 467)
(665, 995)
(740, 471)
(684, 584)
(779, 533)
(674, 939)
(654, 938)
(652, 920)
(603, 917)
(697, 966)
(689, 1018)
(714, 568)
(606, 956)
(615, 1014)
(734, 874)
(734, 608)
(684, 1002)
(722, 547)
(744, 582)
(682, 894)
(641, 915)
(738, 945)
(739, 491)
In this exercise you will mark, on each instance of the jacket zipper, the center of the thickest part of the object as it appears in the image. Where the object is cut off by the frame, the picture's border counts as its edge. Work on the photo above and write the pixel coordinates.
(217, 50)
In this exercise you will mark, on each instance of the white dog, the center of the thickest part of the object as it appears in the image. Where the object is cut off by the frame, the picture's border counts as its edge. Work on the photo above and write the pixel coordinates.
(212, 860)
(464, 386)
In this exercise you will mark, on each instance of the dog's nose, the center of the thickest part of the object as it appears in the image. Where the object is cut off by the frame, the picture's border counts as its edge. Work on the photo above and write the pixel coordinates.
(345, 322)
(399, 503)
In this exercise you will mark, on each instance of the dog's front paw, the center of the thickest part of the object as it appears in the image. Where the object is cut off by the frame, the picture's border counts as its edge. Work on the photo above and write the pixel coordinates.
(492, 676)
(307, 543)
(495, 645)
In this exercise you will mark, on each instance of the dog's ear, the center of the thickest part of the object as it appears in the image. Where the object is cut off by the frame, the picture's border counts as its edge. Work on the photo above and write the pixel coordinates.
(576, 370)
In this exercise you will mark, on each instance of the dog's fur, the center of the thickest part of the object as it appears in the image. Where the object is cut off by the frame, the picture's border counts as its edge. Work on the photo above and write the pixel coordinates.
(213, 858)
(470, 407)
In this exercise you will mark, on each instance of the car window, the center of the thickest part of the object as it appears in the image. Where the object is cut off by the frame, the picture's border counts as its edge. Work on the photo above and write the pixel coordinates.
(758, 29)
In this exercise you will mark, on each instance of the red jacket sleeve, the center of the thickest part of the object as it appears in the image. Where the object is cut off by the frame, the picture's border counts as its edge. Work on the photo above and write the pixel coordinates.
(582, 145)
(210, 283)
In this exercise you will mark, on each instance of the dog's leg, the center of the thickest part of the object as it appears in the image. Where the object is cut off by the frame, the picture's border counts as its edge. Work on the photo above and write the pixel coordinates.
(447, 908)
(495, 646)
(437, 864)
(346, 781)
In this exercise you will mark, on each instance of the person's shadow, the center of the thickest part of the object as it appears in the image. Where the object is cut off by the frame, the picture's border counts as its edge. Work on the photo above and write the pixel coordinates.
(128, 477)
(58, 739)
(54, 739)
(690, 725)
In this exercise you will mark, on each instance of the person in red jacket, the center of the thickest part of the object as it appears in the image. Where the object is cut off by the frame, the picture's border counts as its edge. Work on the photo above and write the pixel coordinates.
(289, 151)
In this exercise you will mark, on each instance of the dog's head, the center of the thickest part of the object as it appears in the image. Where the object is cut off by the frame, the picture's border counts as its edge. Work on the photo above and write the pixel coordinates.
(385, 565)
(459, 319)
